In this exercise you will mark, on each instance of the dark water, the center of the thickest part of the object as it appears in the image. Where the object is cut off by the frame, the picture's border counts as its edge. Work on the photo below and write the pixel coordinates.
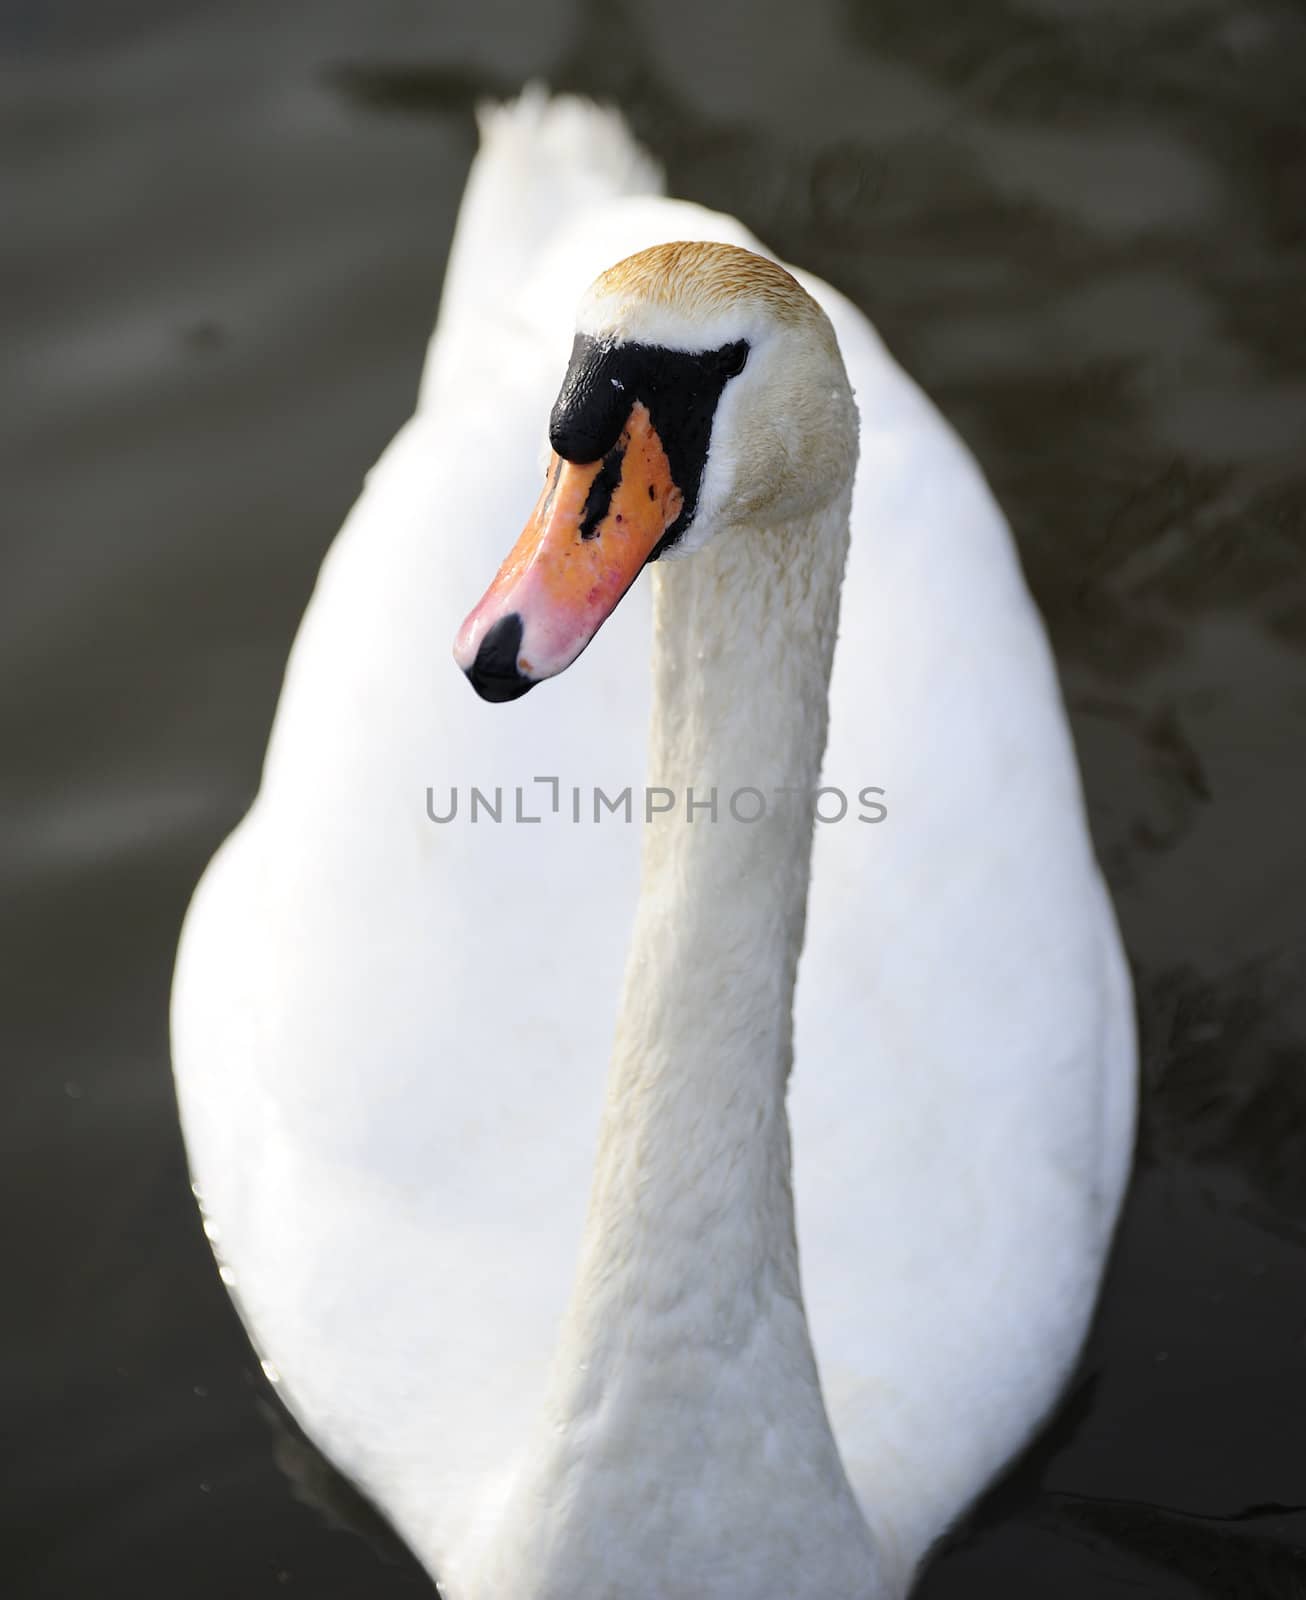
(1082, 225)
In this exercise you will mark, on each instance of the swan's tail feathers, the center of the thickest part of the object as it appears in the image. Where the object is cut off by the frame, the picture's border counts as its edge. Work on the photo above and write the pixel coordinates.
(543, 160)
(571, 149)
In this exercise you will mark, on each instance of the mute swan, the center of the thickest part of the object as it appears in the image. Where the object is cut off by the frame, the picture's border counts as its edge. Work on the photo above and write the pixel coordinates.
(553, 1326)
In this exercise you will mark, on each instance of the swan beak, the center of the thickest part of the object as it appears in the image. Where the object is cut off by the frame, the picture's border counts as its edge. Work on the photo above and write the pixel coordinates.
(595, 525)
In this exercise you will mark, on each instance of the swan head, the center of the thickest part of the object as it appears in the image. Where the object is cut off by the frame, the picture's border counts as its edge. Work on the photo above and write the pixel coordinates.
(705, 391)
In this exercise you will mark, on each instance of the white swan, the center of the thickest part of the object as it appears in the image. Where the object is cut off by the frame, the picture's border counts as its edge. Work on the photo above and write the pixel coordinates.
(390, 1034)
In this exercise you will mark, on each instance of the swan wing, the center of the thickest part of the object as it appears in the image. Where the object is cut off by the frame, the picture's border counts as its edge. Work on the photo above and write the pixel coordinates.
(963, 1095)
(390, 1034)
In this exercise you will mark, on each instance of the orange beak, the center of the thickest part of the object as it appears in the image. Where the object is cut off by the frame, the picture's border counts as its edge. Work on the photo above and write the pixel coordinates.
(593, 528)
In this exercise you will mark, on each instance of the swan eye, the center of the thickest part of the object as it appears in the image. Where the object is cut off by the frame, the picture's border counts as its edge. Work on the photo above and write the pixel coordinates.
(734, 358)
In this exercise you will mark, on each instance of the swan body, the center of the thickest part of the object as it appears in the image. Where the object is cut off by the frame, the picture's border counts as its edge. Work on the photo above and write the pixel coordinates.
(582, 1329)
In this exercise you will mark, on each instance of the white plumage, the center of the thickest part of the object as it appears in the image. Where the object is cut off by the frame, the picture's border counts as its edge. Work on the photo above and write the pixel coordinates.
(391, 1036)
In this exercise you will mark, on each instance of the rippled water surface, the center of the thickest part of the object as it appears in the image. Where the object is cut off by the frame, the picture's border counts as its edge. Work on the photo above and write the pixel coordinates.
(1080, 223)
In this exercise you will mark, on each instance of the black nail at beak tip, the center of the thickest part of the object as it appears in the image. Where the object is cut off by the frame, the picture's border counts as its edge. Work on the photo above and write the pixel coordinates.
(494, 674)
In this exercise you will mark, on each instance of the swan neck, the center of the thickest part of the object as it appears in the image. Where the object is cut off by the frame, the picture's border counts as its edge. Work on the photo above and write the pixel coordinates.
(694, 1147)
(683, 1375)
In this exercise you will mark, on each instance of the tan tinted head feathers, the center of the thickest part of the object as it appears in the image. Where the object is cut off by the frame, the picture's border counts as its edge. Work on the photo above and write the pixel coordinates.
(700, 279)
